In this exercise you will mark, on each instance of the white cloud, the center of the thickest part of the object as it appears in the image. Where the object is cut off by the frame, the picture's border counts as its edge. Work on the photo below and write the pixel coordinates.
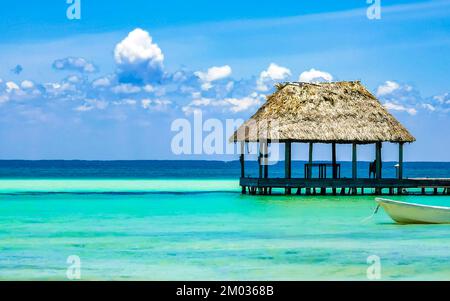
(138, 57)
(231, 104)
(387, 88)
(26, 84)
(149, 88)
(400, 97)
(243, 104)
(155, 104)
(127, 101)
(398, 107)
(126, 89)
(91, 104)
(314, 75)
(11, 86)
(76, 64)
(213, 74)
(429, 107)
(101, 82)
(271, 75)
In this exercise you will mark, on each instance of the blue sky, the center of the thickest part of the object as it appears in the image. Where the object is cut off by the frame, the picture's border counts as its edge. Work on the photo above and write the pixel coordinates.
(85, 89)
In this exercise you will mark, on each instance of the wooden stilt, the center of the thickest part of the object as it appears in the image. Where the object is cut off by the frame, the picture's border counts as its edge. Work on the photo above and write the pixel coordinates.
(378, 159)
(244, 190)
(288, 164)
(310, 160)
(333, 159)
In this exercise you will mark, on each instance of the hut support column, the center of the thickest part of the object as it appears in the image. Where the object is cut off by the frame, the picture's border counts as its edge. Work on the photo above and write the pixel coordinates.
(333, 159)
(400, 161)
(242, 160)
(354, 165)
(400, 166)
(310, 161)
(378, 165)
(288, 163)
(260, 161)
(264, 165)
(309, 169)
(266, 159)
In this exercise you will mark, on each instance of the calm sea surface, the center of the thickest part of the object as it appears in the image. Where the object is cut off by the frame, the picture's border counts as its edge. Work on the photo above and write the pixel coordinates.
(186, 220)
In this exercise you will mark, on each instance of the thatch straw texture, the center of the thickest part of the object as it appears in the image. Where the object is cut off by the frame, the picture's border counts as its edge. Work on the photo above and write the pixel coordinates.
(340, 112)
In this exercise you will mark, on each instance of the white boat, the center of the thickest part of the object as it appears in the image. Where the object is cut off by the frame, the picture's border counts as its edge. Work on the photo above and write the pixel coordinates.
(407, 213)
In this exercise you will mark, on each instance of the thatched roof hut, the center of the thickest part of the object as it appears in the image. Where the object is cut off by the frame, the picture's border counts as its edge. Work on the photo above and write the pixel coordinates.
(336, 112)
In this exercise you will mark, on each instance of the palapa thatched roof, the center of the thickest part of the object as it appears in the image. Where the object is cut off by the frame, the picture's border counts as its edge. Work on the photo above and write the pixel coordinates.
(340, 112)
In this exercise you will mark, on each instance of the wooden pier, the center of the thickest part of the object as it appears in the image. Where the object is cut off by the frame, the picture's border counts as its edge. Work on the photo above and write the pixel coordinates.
(346, 186)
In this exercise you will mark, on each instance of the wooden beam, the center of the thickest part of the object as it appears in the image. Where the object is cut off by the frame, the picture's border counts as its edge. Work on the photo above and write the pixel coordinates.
(354, 161)
(400, 160)
(345, 182)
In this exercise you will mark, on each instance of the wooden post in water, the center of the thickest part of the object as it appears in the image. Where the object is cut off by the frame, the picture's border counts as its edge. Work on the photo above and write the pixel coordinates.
(378, 159)
(378, 146)
(288, 163)
(309, 169)
(266, 163)
(354, 165)
(400, 161)
(242, 160)
(309, 176)
(333, 159)
(400, 166)
(266, 160)
(260, 161)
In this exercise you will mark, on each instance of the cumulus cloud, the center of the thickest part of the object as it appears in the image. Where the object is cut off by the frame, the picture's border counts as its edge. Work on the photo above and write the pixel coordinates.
(387, 88)
(213, 74)
(91, 104)
(11, 86)
(273, 73)
(102, 82)
(26, 84)
(126, 89)
(75, 64)
(398, 107)
(127, 101)
(399, 97)
(439, 103)
(229, 104)
(314, 75)
(155, 104)
(138, 58)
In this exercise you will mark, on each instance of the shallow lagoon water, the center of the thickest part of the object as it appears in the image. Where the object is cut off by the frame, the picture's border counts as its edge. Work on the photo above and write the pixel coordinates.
(172, 229)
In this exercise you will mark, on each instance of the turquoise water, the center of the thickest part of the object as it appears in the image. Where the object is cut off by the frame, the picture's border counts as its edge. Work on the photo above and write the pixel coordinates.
(185, 229)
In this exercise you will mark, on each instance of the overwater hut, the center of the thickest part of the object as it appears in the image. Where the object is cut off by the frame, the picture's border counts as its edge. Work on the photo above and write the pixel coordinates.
(331, 113)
